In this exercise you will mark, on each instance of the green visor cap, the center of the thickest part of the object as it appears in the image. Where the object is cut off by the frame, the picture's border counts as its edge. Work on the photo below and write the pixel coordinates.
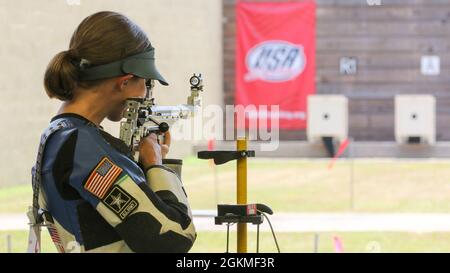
(141, 65)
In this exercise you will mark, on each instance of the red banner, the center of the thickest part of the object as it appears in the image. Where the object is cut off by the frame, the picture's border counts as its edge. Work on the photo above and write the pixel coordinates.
(275, 58)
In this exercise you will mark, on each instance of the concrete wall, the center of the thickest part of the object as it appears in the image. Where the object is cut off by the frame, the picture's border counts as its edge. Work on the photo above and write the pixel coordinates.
(186, 34)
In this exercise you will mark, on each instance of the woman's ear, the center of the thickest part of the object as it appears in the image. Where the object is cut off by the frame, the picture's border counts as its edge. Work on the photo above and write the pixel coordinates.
(123, 81)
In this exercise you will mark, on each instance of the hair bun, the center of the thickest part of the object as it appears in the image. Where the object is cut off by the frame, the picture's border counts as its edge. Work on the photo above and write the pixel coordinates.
(61, 76)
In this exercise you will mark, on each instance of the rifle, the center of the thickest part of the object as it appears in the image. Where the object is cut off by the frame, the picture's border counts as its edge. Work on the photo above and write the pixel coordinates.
(143, 116)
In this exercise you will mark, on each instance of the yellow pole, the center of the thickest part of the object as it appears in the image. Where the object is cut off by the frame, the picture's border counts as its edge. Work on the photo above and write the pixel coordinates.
(241, 194)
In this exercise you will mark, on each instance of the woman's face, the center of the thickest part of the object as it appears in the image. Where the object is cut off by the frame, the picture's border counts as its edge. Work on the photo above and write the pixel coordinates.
(131, 88)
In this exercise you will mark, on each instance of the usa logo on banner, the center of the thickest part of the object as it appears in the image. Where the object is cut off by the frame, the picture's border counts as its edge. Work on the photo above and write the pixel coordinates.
(275, 58)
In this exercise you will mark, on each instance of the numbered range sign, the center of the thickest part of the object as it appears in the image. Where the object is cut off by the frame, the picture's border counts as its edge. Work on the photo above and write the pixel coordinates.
(348, 65)
(430, 65)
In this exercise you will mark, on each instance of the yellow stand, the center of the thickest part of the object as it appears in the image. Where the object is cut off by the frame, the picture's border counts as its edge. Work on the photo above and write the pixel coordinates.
(241, 194)
(222, 157)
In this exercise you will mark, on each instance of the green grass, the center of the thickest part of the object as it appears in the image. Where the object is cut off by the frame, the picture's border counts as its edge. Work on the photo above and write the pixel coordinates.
(307, 186)
(289, 242)
(303, 186)
(19, 239)
(15, 199)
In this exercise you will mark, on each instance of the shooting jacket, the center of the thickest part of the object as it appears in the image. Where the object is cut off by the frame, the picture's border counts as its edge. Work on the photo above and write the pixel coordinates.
(100, 200)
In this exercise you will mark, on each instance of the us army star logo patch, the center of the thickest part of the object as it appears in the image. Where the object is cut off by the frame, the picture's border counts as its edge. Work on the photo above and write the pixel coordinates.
(120, 202)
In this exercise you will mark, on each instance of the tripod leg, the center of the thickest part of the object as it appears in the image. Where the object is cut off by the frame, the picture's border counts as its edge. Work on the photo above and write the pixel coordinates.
(257, 238)
(228, 237)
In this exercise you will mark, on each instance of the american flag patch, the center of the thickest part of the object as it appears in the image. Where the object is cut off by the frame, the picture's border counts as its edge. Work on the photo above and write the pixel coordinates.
(55, 238)
(102, 178)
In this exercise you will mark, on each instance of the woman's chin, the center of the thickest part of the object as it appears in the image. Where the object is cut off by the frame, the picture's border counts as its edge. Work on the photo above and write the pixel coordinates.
(114, 118)
(118, 113)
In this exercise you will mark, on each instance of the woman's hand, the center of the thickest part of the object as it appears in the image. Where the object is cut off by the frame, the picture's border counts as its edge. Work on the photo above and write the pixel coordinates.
(165, 145)
(151, 152)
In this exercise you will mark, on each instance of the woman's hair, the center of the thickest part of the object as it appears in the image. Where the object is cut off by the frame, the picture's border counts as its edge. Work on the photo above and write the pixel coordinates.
(101, 38)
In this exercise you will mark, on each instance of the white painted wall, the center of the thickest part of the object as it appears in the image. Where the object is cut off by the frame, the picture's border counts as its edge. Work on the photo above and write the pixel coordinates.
(187, 36)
